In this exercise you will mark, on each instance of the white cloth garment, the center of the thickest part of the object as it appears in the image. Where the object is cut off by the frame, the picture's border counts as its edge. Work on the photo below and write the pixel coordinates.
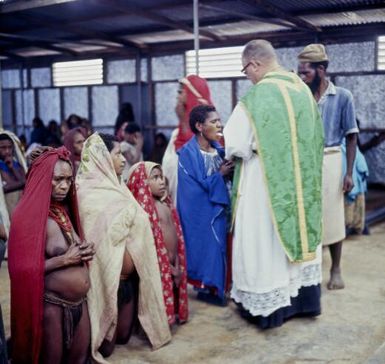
(263, 278)
(333, 213)
(170, 166)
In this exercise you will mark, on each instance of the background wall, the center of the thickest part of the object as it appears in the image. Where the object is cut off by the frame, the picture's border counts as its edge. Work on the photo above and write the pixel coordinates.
(151, 84)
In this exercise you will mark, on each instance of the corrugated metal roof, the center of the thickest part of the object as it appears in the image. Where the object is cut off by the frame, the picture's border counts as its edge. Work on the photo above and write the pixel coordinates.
(301, 5)
(154, 25)
(167, 36)
(244, 27)
(347, 18)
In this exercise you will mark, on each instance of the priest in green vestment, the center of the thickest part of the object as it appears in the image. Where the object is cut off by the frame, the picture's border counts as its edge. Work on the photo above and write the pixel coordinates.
(275, 134)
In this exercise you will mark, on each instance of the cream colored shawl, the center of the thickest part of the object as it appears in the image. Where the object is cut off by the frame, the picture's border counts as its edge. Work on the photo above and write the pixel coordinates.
(21, 159)
(114, 221)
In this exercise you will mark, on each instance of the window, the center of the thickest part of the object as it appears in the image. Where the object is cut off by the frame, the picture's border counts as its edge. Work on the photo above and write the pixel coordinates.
(216, 62)
(381, 53)
(75, 73)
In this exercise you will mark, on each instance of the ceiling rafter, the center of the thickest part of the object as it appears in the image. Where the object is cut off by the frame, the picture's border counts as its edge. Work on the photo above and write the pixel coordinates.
(11, 55)
(297, 37)
(278, 12)
(79, 30)
(33, 26)
(341, 9)
(13, 7)
(147, 14)
(23, 41)
(278, 39)
(249, 16)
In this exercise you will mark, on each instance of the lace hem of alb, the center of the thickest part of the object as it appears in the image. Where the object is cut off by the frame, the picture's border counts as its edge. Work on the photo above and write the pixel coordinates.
(266, 303)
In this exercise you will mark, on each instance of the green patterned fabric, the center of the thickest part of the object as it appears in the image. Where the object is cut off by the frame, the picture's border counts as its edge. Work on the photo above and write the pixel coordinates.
(289, 133)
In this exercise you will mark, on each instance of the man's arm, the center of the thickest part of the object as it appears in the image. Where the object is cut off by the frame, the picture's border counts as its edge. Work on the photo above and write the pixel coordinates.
(351, 144)
(13, 184)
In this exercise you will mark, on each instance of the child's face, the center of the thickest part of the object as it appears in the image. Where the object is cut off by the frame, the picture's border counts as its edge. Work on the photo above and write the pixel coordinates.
(156, 183)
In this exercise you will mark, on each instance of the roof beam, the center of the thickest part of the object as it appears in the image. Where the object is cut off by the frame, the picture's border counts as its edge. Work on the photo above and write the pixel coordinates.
(31, 4)
(11, 55)
(79, 30)
(23, 41)
(276, 11)
(340, 9)
(248, 16)
(33, 25)
(280, 39)
(147, 14)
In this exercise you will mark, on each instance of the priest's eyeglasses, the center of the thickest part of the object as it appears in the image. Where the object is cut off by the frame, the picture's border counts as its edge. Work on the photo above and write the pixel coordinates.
(243, 70)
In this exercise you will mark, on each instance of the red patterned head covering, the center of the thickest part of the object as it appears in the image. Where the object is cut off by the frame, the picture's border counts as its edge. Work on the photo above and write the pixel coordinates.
(197, 93)
(137, 183)
(27, 241)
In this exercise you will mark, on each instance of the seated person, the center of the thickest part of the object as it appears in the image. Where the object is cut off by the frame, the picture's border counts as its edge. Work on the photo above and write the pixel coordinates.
(12, 168)
(48, 267)
(147, 184)
(203, 203)
(125, 252)
(131, 147)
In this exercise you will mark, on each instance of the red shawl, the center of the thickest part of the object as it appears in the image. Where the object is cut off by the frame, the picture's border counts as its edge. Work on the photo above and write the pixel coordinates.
(27, 241)
(141, 191)
(197, 93)
(68, 142)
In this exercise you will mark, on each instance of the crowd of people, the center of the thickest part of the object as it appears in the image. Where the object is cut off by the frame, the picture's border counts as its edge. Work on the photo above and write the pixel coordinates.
(103, 243)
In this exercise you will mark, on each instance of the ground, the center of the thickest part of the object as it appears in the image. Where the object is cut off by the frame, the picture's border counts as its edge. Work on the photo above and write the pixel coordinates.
(350, 330)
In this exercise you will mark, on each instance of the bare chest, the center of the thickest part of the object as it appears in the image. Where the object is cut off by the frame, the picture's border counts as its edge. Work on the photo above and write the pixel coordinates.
(164, 213)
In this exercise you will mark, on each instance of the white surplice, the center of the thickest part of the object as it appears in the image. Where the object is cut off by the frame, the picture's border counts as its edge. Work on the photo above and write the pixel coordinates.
(263, 277)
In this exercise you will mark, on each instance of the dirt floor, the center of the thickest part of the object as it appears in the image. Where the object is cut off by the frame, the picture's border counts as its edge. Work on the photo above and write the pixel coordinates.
(350, 329)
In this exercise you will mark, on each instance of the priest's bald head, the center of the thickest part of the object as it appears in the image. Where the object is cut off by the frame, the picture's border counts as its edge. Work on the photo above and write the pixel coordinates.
(258, 58)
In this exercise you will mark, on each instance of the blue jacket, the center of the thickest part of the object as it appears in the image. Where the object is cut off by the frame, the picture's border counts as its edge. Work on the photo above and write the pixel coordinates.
(202, 201)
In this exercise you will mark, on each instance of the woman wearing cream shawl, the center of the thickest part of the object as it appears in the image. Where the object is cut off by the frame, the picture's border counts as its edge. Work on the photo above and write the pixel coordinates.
(9, 201)
(114, 221)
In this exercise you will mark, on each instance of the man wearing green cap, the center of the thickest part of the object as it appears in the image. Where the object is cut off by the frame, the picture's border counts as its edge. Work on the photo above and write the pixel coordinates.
(275, 135)
(339, 120)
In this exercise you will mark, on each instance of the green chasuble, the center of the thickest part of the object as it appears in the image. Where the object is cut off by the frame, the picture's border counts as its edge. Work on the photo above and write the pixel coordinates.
(289, 133)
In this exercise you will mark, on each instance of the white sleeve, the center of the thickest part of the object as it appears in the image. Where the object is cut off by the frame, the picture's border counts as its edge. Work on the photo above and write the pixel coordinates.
(239, 138)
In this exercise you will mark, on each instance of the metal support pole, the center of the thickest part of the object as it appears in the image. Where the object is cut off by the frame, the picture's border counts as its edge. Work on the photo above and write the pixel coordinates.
(196, 35)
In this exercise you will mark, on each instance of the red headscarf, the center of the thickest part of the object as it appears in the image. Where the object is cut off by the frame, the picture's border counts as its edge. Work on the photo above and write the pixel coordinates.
(137, 183)
(27, 241)
(197, 93)
(68, 142)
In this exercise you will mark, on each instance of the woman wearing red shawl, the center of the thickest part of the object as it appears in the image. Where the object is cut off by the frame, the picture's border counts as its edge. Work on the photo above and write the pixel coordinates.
(146, 183)
(74, 141)
(193, 91)
(47, 267)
